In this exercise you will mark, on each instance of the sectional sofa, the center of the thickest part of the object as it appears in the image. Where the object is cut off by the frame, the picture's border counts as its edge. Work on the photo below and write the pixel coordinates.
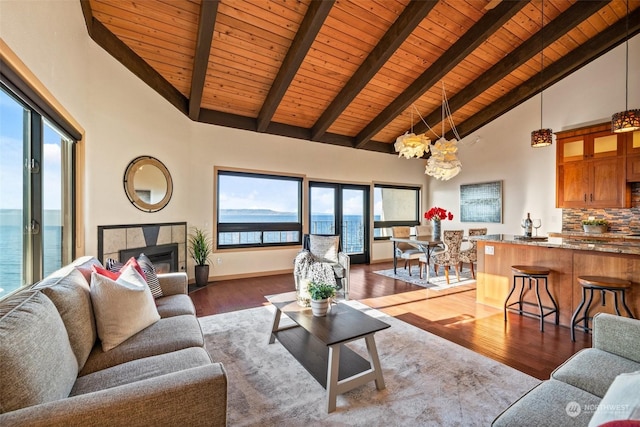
(597, 386)
(54, 370)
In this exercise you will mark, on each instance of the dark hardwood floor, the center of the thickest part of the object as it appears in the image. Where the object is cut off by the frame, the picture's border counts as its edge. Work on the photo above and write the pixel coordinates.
(451, 314)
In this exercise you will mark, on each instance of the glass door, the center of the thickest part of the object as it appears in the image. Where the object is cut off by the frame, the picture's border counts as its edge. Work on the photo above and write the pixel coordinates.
(342, 209)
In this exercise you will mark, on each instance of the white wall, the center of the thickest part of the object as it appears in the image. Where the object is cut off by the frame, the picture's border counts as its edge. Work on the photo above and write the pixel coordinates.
(123, 119)
(503, 152)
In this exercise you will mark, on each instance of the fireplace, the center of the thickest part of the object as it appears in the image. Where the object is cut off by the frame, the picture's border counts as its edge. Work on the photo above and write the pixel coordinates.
(163, 257)
(164, 243)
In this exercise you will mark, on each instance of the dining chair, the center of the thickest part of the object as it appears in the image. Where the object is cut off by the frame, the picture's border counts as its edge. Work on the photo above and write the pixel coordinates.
(424, 230)
(470, 256)
(450, 256)
(405, 251)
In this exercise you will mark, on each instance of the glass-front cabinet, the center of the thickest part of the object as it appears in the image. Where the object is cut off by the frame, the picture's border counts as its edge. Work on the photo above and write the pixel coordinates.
(591, 168)
(633, 156)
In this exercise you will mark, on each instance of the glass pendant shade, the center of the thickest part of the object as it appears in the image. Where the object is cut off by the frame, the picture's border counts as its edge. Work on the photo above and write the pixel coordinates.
(541, 138)
(625, 121)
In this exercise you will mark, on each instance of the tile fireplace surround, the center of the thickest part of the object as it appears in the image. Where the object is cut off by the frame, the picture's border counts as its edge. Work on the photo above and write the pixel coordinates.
(114, 238)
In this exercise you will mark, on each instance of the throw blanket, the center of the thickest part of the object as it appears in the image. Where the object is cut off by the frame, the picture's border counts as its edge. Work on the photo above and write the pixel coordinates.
(306, 266)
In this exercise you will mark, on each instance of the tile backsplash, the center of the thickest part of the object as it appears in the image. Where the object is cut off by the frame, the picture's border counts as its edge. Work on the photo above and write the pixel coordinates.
(624, 221)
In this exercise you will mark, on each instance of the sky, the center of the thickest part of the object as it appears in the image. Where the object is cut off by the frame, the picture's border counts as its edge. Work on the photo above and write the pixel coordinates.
(12, 158)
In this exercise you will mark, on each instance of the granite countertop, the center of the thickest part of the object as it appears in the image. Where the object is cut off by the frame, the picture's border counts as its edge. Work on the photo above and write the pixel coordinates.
(605, 242)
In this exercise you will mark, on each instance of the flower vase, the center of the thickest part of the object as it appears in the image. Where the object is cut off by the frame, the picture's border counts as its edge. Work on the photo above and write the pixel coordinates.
(436, 230)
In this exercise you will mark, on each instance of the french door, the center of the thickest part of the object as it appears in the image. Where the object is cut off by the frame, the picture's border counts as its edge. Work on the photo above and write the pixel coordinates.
(342, 209)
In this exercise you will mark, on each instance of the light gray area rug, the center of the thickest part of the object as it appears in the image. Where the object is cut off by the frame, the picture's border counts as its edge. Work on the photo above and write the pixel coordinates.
(435, 282)
(429, 380)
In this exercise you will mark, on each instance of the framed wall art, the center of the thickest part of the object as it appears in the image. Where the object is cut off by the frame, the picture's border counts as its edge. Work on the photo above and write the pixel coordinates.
(481, 202)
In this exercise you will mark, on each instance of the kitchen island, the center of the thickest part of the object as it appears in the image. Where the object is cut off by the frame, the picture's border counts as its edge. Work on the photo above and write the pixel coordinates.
(568, 256)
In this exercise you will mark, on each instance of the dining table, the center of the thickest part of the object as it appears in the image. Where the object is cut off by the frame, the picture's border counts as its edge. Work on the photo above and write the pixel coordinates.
(425, 243)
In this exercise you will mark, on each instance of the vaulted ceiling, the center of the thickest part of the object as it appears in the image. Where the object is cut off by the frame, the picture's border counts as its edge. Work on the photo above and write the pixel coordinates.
(355, 73)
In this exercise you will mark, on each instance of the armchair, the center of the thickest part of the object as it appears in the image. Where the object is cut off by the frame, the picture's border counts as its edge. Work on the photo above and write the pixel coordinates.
(321, 258)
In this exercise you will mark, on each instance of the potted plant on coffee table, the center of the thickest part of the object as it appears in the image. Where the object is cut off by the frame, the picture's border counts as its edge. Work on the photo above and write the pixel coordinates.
(200, 248)
(320, 294)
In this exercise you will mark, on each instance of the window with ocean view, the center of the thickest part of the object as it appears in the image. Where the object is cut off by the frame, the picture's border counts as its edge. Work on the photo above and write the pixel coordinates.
(257, 210)
(394, 206)
(36, 192)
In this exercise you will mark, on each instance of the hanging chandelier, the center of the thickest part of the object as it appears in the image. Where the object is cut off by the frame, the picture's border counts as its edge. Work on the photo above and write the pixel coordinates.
(443, 163)
(628, 120)
(541, 137)
(411, 145)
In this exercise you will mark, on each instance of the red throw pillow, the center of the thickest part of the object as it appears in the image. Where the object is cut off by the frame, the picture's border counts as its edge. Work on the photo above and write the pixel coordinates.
(113, 275)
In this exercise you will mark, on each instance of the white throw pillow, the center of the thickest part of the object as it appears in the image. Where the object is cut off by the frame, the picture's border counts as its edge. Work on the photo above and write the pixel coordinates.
(324, 247)
(122, 307)
(620, 402)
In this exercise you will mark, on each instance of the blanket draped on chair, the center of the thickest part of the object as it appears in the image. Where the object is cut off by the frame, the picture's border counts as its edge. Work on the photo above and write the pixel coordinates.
(308, 267)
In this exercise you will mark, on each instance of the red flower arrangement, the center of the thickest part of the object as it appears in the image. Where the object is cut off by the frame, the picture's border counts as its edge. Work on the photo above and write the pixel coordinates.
(437, 214)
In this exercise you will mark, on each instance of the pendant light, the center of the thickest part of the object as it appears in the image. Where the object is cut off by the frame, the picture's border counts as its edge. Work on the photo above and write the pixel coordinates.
(627, 120)
(541, 137)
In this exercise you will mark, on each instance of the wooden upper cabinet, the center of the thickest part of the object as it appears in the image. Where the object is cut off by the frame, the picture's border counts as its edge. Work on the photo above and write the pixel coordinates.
(591, 168)
(633, 156)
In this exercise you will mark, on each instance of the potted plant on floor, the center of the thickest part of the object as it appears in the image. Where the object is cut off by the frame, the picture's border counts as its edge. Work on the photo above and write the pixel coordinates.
(320, 294)
(200, 248)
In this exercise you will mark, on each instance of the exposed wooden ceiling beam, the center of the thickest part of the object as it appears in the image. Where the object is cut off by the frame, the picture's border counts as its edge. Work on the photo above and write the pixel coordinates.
(127, 57)
(486, 26)
(248, 123)
(409, 19)
(576, 59)
(531, 47)
(208, 12)
(311, 23)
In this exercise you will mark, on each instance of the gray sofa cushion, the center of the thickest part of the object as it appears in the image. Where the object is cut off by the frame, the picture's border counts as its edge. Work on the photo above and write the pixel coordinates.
(593, 370)
(617, 334)
(37, 363)
(184, 332)
(71, 296)
(141, 369)
(547, 404)
(175, 305)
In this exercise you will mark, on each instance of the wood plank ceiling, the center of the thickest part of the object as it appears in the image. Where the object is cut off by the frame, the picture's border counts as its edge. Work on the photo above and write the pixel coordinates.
(355, 73)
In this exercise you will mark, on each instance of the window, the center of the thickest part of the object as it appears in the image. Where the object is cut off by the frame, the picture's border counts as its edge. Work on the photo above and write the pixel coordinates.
(258, 210)
(36, 184)
(393, 206)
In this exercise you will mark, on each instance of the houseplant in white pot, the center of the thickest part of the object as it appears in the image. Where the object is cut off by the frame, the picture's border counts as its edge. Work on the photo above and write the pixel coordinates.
(200, 248)
(320, 294)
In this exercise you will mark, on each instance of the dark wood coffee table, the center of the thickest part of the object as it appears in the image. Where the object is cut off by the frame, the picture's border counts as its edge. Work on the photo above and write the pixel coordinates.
(318, 344)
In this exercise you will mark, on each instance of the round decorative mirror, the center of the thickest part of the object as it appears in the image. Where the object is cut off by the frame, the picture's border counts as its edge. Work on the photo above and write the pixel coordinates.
(148, 184)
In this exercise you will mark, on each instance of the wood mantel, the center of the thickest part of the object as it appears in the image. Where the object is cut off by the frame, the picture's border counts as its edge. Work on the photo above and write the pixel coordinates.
(495, 277)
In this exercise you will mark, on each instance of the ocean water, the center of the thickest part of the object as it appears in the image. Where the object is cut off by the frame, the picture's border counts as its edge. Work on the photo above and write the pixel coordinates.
(12, 240)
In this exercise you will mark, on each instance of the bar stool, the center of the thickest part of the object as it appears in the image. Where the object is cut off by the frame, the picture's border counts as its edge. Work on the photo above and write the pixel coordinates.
(532, 274)
(604, 285)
